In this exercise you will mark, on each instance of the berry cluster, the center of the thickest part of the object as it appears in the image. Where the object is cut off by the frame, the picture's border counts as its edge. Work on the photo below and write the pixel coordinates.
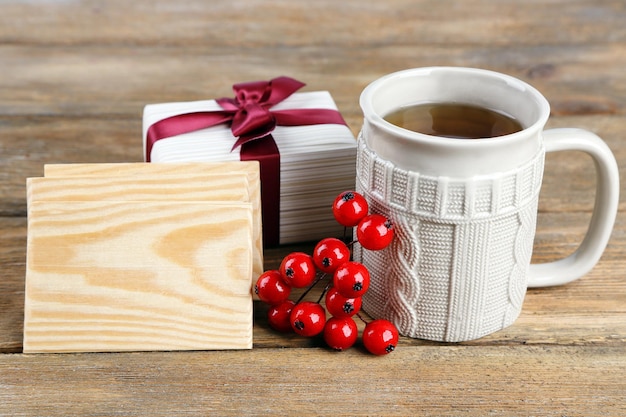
(348, 281)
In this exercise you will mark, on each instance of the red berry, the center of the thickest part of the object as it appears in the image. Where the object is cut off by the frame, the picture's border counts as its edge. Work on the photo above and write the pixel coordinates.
(349, 208)
(352, 279)
(278, 316)
(375, 232)
(271, 288)
(308, 318)
(340, 306)
(329, 254)
(298, 269)
(380, 337)
(340, 333)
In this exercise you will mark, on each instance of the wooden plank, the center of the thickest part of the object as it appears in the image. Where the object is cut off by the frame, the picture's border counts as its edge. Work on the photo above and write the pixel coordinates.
(291, 22)
(567, 76)
(180, 187)
(136, 170)
(414, 380)
(115, 276)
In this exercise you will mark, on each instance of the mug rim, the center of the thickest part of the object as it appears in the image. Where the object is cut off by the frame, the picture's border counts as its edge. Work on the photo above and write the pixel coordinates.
(374, 118)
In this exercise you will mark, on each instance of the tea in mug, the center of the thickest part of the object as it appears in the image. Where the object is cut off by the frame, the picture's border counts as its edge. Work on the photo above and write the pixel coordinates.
(454, 120)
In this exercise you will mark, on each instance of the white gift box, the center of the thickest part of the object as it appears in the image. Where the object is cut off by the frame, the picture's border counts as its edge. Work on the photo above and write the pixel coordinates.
(317, 162)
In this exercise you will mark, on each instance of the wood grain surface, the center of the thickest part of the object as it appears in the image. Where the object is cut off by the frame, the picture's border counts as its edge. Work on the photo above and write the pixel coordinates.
(429, 380)
(164, 188)
(138, 275)
(217, 188)
(76, 75)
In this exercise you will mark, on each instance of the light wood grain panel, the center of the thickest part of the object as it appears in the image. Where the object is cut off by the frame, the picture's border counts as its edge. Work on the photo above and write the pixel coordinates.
(180, 187)
(111, 276)
(138, 169)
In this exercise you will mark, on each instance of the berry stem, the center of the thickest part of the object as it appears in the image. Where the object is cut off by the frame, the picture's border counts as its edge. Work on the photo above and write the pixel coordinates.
(317, 280)
(324, 292)
(361, 317)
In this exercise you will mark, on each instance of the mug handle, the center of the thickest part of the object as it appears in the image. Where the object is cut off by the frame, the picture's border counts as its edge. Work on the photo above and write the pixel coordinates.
(605, 208)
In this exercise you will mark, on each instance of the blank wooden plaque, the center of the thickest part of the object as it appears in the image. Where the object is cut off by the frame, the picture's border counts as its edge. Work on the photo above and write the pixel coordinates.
(248, 168)
(147, 275)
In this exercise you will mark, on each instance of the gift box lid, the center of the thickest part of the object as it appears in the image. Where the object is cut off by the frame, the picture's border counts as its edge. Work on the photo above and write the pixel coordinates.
(297, 144)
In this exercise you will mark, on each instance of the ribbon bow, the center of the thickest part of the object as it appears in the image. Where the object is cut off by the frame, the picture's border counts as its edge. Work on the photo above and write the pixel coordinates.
(249, 114)
(252, 121)
(250, 109)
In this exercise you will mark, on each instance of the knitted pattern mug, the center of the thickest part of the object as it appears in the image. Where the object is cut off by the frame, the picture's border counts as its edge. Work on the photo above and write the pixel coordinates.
(464, 211)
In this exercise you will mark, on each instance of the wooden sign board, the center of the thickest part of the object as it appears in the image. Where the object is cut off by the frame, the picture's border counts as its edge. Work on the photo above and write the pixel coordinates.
(110, 272)
(161, 170)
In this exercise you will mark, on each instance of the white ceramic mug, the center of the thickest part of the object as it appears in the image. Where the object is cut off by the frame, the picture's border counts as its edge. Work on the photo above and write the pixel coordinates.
(465, 210)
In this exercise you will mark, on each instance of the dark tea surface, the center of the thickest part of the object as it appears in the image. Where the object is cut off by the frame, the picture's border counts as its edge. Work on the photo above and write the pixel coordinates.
(454, 120)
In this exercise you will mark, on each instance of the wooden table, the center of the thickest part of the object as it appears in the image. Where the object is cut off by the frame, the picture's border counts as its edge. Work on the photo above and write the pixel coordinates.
(74, 76)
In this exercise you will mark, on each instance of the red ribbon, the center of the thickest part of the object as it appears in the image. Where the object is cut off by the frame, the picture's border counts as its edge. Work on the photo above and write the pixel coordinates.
(251, 122)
